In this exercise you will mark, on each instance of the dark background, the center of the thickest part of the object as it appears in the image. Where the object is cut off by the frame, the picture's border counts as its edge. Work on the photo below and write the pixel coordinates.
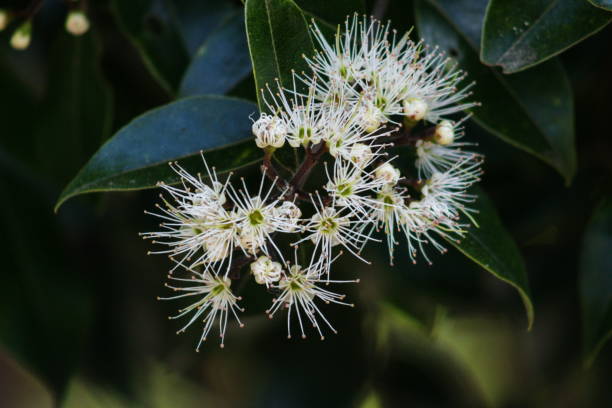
(78, 317)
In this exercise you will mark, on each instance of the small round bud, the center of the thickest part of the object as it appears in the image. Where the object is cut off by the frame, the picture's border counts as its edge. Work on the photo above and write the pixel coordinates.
(77, 23)
(22, 36)
(372, 119)
(415, 109)
(266, 271)
(360, 154)
(290, 214)
(445, 133)
(4, 19)
(269, 131)
(387, 173)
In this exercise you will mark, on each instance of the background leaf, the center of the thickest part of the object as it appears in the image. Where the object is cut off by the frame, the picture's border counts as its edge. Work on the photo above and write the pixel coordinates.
(532, 110)
(137, 156)
(522, 33)
(220, 63)
(332, 12)
(278, 37)
(604, 4)
(491, 246)
(596, 280)
(152, 26)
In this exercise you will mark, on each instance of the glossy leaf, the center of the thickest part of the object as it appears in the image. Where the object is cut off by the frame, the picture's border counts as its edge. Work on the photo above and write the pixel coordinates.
(596, 281)
(532, 110)
(332, 12)
(522, 33)
(278, 37)
(604, 4)
(220, 63)
(491, 246)
(152, 27)
(200, 18)
(137, 156)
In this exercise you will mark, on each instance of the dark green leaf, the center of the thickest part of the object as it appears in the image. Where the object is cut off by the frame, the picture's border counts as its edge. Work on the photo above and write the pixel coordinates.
(522, 33)
(200, 18)
(596, 281)
(75, 116)
(532, 110)
(332, 12)
(45, 307)
(220, 63)
(152, 27)
(137, 156)
(490, 246)
(604, 4)
(278, 37)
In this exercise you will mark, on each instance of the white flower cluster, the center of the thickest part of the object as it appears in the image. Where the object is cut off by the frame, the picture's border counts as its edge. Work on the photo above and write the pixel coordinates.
(369, 92)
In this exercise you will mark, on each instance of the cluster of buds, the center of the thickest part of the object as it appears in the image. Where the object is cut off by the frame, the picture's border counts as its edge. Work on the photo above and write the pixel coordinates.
(76, 22)
(368, 93)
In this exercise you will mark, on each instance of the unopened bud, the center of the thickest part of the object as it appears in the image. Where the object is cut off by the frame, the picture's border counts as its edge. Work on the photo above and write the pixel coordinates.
(22, 36)
(387, 173)
(371, 119)
(77, 23)
(4, 19)
(269, 131)
(415, 109)
(445, 133)
(266, 271)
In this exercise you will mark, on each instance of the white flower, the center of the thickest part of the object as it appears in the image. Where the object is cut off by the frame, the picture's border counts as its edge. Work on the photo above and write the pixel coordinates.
(196, 228)
(349, 187)
(269, 131)
(258, 218)
(77, 23)
(266, 271)
(387, 174)
(215, 302)
(299, 292)
(329, 227)
(435, 157)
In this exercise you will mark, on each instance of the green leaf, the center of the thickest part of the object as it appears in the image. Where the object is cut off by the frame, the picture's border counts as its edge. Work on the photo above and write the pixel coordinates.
(532, 110)
(75, 116)
(152, 27)
(278, 37)
(200, 18)
(604, 4)
(220, 63)
(332, 12)
(137, 156)
(596, 281)
(491, 246)
(522, 33)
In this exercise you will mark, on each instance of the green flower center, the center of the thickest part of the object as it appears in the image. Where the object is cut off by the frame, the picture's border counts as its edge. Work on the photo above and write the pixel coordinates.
(256, 218)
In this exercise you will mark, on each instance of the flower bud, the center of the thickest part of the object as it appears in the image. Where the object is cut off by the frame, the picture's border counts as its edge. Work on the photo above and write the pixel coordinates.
(266, 271)
(22, 36)
(269, 131)
(387, 173)
(4, 19)
(415, 109)
(371, 119)
(77, 23)
(360, 154)
(290, 213)
(445, 133)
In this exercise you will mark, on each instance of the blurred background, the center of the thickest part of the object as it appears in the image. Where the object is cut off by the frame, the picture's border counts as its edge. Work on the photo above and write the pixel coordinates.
(80, 325)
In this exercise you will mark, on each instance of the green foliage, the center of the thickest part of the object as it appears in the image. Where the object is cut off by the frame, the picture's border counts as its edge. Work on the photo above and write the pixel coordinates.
(220, 63)
(278, 37)
(490, 246)
(521, 34)
(137, 156)
(532, 110)
(604, 4)
(596, 281)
